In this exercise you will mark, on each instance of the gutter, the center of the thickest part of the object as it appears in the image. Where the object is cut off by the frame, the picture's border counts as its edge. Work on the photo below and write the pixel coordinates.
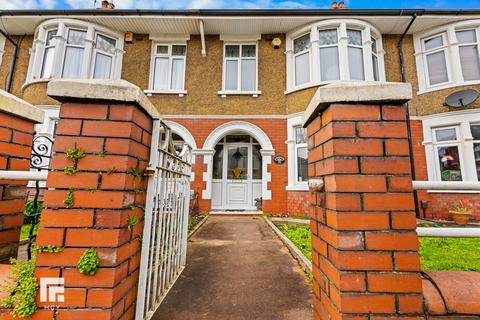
(409, 128)
(12, 62)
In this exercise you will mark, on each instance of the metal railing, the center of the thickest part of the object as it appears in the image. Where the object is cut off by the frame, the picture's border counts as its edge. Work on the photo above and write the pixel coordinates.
(164, 242)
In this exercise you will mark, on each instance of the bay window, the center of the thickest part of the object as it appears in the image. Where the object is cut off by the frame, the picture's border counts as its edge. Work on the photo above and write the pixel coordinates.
(448, 56)
(168, 68)
(240, 69)
(73, 49)
(452, 146)
(333, 50)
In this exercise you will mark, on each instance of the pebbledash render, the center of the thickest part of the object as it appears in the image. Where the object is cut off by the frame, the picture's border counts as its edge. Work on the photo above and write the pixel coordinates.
(233, 84)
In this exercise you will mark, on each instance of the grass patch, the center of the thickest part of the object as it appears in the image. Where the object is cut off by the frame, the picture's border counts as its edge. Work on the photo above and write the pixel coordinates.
(300, 236)
(462, 254)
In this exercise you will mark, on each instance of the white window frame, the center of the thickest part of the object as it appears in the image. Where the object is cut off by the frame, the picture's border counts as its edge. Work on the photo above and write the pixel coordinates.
(336, 45)
(294, 121)
(461, 120)
(368, 32)
(295, 55)
(62, 26)
(477, 43)
(96, 50)
(452, 55)
(443, 49)
(154, 55)
(239, 91)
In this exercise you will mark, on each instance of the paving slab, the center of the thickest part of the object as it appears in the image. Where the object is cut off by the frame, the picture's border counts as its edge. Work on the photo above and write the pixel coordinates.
(236, 269)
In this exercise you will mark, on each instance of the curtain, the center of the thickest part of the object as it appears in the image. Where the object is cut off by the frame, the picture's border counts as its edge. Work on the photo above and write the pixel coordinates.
(47, 62)
(302, 69)
(302, 162)
(160, 78)
(375, 68)
(437, 67)
(470, 62)
(72, 65)
(231, 75)
(355, 63)
(329, 68)
(248, 75)
(177, 73)
(103, 66)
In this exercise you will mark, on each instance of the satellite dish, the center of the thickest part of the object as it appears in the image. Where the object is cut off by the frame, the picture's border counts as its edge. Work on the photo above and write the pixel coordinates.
(462, 98)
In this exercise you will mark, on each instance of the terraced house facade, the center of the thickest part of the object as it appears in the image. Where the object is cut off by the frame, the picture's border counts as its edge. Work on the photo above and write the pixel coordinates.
(234, 85)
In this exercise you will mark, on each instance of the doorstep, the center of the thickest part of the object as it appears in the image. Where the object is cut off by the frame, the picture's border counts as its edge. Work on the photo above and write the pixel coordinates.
(236, 213)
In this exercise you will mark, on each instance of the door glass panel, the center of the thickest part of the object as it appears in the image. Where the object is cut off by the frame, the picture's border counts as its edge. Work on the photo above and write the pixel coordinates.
(237, 168)
(256, 162)
(218, 162)
(449, 161)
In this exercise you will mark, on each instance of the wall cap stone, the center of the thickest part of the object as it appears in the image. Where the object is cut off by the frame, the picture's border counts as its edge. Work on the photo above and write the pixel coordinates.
(103, 90)
(364, 92)
(15, 106)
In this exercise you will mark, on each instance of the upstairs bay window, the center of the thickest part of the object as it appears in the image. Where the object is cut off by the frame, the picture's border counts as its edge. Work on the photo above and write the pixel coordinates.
(72, 49)
(167, 73)
(448, 56)
(240, 69)
(333, 50)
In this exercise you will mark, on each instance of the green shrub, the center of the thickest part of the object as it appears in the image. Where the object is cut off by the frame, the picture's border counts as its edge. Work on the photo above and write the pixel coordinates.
(29, 210)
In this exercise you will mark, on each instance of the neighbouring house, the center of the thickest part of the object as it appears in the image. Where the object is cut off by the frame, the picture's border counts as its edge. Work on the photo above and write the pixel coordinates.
(233, 84)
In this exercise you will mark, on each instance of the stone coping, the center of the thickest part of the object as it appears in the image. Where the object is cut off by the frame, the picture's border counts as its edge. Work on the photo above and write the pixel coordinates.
(103, 90)
(362, 92)
(15, 106)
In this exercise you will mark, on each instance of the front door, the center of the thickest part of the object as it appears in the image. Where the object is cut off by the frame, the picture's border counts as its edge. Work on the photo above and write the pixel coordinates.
(238, 173)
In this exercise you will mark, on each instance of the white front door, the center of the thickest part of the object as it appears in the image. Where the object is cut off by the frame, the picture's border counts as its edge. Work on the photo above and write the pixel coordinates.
(238, 184)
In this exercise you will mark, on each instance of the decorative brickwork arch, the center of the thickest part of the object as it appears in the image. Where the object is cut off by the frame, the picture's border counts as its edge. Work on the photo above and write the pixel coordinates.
(231, 127)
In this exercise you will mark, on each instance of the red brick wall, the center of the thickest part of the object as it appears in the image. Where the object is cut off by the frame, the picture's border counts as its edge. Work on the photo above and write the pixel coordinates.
(297, 203)
(365, 249)
(105, 195)
(16, 136)
(276, 129)
(438, 204)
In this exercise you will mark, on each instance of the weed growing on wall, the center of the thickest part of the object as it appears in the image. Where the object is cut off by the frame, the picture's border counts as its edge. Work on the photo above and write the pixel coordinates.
(74, 155)
(89, 262)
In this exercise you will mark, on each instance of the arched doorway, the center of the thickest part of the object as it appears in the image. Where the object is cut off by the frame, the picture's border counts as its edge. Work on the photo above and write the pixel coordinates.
(235, 145)
(237, 173)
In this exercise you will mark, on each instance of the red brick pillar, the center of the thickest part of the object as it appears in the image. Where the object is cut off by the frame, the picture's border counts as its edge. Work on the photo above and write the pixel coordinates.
(365, 249)
(108, 197)
(17, 120)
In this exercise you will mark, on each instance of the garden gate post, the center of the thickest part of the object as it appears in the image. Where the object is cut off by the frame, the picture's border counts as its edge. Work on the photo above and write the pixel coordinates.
(96, 199)
(365, 248)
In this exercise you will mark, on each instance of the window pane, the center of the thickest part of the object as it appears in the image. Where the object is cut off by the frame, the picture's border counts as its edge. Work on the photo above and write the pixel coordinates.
(374, 45)
(103, 66)
(449, 134)
(327, 37)
(467, 36)
(238, 138)
(231, 75)
(302, 164)
(470, 62)
(302, 69)
(355, 63)
(218, 162)
(248, 51)
(248, 75)
(449, 161)
(162, 49)
(160, 79)
(232, 51)
(375, 68)
(50, 35)
(476, 152)
(47, 62)
(257, 162)
(301, 44)
(354, 37)
(179, 50)
(72, 65)
(177, 73)
(433, 43)
(475, 128)
(76, 37)
(300, 135)
(105, 44)
(329, 69)
(437, 67)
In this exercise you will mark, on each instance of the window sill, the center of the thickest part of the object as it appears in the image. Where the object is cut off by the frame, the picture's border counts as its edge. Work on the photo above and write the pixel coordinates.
(297, 187)
(453, 191)
(224, 93)
(447, 86)
(180, 93)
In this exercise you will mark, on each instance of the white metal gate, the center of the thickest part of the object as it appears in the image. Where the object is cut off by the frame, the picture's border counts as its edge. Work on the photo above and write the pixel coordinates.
(164, 243)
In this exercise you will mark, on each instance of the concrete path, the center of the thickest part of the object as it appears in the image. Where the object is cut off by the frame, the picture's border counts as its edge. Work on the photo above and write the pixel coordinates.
(238, 269)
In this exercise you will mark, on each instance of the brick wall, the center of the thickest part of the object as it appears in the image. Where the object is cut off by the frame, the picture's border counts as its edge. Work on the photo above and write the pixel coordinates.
(16, 136)
(116, 139)
(297, 203)
(365, 249)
